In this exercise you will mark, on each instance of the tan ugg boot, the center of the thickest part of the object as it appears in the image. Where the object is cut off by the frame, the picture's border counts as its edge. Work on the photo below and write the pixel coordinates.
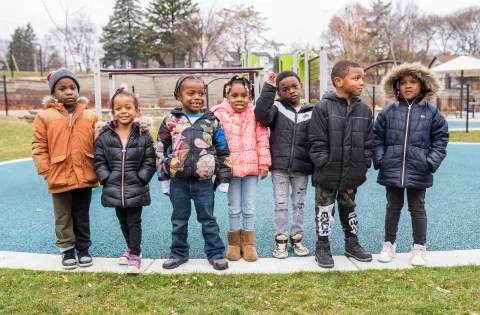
(248, 246)
(233, 250)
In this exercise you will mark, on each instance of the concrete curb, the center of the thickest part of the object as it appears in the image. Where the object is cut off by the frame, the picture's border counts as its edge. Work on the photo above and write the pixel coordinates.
(47, 262)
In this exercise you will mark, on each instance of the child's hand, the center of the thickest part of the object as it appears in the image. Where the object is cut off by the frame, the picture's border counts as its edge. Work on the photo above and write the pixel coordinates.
(263, 174)
(165, 187)
(272, 77)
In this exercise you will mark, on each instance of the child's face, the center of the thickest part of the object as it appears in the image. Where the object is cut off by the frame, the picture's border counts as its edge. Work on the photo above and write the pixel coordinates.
(123, 109)
(238, 97)
(192, 96)
(291, 89)
(66, 92)
(352, 83)
(410, 87)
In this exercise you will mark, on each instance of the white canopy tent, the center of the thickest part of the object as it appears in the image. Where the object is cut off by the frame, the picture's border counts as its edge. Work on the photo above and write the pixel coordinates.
(461, 65)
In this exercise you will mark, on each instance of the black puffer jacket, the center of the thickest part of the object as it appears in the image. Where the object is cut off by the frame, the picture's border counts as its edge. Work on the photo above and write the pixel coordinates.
(288, 131)
(341, 142)
(125, 176)
(410, 141)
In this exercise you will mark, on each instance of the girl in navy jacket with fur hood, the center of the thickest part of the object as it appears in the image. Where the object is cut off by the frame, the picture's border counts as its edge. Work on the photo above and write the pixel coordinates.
(411, 137)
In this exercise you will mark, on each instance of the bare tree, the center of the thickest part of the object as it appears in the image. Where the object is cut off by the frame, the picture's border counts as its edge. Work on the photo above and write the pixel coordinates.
(246, 28)
(466, 25)
(202, 37)
(77, 33)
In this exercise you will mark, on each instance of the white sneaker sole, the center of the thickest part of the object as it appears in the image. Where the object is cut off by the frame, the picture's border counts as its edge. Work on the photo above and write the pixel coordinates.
(385, 259)
(70, 267)
(133, 270)
(280, 255)
(301, 253)
(123, 261)
(85, 264)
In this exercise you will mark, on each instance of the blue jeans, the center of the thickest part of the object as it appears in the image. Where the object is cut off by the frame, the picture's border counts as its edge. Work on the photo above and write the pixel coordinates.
(242, 195)
(181, 193)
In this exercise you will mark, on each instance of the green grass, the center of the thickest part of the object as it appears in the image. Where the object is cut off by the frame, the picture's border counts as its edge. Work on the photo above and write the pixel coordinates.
(458, 136)
(367, 292)
(21, 74)
(15, 138)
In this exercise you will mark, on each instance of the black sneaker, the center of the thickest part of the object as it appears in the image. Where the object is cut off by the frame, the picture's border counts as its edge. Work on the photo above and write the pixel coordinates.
(172, 263)
(355, 250)
(323, 256)
(69, 261)
(84, 258)
(219, 264)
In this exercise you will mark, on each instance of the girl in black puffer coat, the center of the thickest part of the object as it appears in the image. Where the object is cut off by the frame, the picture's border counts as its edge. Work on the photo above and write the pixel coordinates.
(125, 163)
(411, 138)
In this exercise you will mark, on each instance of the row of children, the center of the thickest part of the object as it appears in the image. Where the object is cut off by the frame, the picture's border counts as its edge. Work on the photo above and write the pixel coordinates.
(335, 142)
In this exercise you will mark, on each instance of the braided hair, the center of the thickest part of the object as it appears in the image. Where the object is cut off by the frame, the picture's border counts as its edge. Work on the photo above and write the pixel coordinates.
(178, 86)
(121, 91)
(239, 79)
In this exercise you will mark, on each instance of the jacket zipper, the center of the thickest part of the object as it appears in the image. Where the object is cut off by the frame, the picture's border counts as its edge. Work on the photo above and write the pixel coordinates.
(405, 142)
(293, 142)
(343, 146)
(124, 150)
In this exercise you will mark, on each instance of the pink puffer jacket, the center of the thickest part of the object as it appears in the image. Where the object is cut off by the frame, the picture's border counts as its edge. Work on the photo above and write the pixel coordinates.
(247, 139)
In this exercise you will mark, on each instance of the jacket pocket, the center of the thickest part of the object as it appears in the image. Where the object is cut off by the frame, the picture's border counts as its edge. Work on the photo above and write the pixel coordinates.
(56, 174)
(88, 172)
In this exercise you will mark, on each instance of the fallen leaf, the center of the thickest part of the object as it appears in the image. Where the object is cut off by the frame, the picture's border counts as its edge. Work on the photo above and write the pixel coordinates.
(358, 284)
(442, 290)
(210, 284)
(174, 281)
(173, 313)
(266, 302)
(237, 284)
(65, 278)
(412, 280)
(195, 278)
(116, 308)
(173, 287)
(68, 310)
(89, 285)
(188, 283)
(38, 210)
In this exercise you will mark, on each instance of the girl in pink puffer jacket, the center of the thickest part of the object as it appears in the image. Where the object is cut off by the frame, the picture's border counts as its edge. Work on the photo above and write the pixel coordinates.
(250, 155)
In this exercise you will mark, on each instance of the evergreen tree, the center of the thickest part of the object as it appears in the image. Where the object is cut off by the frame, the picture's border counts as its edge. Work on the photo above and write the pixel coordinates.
(23, 49)
(122, 36)
(163, 20)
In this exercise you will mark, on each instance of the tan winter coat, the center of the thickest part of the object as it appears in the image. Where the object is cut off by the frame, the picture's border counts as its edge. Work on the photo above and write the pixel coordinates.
(62, 146)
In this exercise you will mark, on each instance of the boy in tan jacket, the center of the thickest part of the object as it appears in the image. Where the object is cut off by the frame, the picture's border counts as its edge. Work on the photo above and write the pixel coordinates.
(62, 150)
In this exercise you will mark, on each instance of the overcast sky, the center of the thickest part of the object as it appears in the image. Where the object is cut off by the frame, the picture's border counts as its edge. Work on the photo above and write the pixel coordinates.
(290, 21)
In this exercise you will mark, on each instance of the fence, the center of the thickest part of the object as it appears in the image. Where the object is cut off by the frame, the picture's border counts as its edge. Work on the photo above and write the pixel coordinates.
(461, 112)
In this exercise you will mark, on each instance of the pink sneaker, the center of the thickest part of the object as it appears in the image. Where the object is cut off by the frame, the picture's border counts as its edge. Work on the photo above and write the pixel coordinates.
(134, 265)
(125, 258)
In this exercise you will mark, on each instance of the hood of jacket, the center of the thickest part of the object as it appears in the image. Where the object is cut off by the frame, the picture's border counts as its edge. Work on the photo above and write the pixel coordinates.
(226, 107)
(430, 83)
(145, 123)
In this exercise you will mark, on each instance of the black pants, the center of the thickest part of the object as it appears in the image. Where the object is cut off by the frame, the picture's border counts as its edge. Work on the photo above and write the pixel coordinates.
(131, 225)
(72, 220)
(416, 207)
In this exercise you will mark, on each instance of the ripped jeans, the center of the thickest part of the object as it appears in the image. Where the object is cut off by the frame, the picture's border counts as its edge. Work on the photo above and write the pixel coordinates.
(281, 184)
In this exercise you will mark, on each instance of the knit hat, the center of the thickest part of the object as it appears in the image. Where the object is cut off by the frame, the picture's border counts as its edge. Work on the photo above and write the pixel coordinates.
(55, 76)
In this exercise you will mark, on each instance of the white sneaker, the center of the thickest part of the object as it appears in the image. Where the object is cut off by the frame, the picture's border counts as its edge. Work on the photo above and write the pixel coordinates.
(388, 252)
(418, 255)
(281, 247)
(298, 247)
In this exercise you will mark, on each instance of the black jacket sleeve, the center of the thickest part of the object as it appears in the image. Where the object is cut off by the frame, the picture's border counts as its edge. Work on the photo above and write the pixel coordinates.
(369, 140)
(439, 138)
(100, 163)
(318, 137)
(224, 172)
(147, 166)
(265, 112)
(379, 131)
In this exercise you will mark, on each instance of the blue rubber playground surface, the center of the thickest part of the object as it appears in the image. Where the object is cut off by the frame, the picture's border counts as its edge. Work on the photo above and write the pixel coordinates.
(27, 223)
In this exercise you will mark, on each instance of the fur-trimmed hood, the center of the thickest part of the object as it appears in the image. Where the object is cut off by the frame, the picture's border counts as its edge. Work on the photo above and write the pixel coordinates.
(51, 102)
(145, 123)
(430, 83)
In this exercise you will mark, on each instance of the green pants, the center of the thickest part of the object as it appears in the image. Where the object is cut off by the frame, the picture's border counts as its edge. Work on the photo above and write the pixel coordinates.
(72, 219)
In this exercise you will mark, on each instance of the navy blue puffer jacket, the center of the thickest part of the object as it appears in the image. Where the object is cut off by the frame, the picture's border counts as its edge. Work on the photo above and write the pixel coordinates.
(410, 139)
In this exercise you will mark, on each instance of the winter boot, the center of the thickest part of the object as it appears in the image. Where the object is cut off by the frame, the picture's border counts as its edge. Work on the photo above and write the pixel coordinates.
(248, 245)
(233, 249)
(355, 250)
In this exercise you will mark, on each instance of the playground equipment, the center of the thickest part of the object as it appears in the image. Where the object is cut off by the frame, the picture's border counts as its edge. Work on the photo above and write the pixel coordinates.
(218, 73)
(310, 67)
